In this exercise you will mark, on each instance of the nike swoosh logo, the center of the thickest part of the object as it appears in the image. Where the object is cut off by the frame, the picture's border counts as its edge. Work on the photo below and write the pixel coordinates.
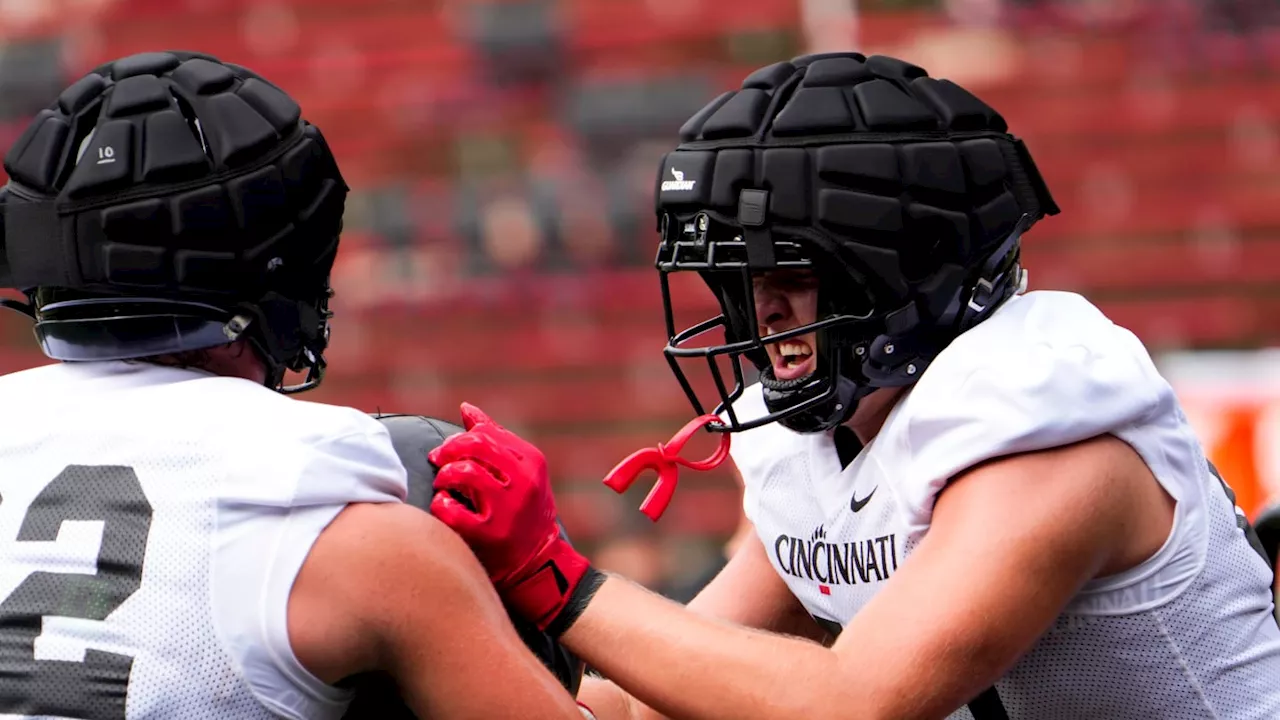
(855, 504)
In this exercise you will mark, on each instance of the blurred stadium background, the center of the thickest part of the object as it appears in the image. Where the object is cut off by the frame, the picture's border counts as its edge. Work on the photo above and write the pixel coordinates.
(502, 158)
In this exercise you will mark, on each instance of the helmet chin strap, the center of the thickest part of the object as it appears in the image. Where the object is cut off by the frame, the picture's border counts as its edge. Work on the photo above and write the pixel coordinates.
(815, 403)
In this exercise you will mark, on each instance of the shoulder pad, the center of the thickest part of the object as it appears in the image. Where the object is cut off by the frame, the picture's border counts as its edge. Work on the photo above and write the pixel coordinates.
(413, 436)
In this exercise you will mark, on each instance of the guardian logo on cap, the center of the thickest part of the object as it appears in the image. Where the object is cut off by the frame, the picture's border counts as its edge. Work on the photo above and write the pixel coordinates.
(679, 184)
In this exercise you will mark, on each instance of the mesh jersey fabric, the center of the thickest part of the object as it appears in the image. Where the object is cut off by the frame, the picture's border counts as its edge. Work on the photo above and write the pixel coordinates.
(1187, 634)
(184, 505)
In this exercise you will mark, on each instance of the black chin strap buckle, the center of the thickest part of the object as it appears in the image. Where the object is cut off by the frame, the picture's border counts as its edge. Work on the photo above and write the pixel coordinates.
(988, 294)
(1000, 277)
(983, 293)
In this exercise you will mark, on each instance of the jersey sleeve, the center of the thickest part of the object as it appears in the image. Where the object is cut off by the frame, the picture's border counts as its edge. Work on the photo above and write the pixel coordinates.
(1033, 391)
(264, 536)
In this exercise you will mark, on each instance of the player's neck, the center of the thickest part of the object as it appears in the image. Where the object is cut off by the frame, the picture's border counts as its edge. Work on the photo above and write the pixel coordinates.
(236, 360)
(872, 411)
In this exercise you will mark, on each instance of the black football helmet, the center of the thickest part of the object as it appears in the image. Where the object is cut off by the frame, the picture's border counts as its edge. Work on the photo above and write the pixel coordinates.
(905, 195)
(169, 202)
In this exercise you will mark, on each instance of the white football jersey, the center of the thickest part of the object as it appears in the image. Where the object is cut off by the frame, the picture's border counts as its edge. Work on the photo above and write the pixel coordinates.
(152, 522)
(1187, 634)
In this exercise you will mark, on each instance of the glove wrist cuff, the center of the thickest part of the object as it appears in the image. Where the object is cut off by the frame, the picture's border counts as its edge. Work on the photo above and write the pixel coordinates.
(542, 588)
(576, 602)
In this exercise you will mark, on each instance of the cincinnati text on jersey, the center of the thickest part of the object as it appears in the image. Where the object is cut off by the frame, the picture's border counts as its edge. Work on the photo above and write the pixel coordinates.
(849, 563)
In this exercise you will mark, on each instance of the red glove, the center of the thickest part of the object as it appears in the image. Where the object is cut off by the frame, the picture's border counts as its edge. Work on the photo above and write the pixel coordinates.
(493, 490)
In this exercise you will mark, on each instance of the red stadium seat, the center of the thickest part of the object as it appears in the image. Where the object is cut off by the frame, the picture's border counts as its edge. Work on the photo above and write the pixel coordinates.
(1220, 318)
(1131, 110)
(1148, 210)
(1134, 267)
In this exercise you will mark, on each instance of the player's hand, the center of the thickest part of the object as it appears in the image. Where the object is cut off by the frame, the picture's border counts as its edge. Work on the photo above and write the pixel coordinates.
(493, 490)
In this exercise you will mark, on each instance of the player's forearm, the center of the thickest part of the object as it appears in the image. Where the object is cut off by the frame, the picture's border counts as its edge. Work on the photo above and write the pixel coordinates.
(654, 649)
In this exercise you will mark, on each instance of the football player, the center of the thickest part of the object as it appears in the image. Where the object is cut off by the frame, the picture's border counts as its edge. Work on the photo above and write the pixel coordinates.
(970, 501)
(178, 538)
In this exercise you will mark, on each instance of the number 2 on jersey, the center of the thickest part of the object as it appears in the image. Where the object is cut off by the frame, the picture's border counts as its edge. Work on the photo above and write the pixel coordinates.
(94, 689)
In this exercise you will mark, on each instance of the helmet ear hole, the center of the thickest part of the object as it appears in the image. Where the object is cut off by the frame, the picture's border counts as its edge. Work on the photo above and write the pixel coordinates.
(843, 291)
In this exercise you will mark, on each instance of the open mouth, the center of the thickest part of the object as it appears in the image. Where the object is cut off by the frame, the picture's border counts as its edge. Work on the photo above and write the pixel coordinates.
(794, 359)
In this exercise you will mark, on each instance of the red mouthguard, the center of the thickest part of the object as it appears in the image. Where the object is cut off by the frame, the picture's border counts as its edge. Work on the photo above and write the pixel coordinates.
(665, 460)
